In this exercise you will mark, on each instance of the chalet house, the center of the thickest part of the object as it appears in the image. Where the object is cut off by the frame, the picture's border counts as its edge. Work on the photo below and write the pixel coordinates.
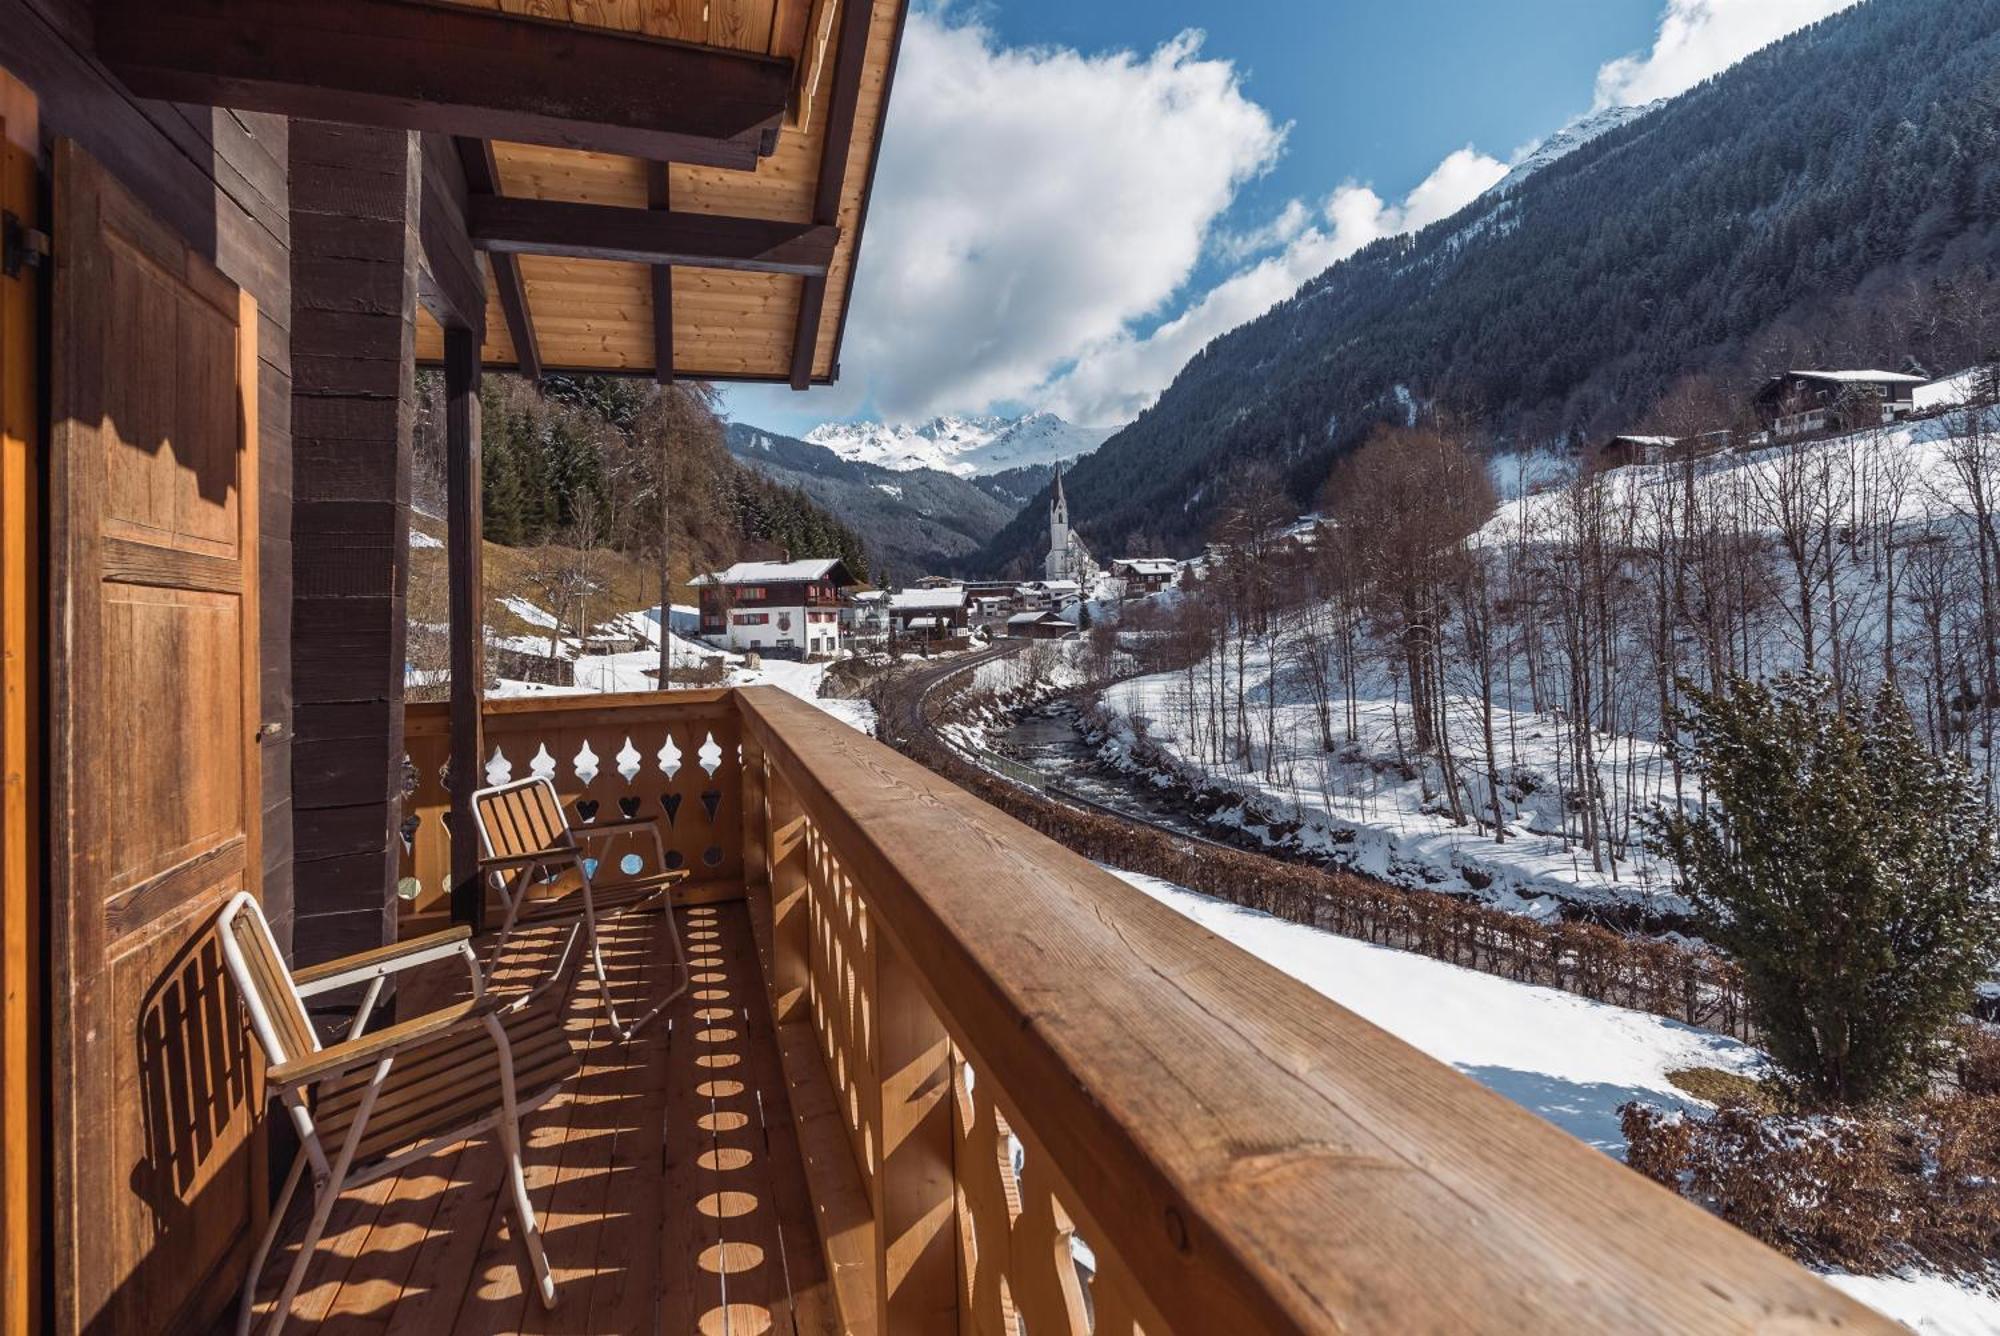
(930, 613)
(918, 1058)
(1043, 625)
(1804, 403)
(1620, 451)
(1145, 575)
(785, 609)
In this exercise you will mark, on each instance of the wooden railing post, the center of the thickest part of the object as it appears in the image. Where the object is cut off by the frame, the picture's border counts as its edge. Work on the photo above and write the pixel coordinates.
(916, 1220)
(790, 872)
(756, 821)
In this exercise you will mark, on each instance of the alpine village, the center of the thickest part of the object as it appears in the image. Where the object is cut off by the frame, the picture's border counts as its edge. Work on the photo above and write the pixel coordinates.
(897, 667)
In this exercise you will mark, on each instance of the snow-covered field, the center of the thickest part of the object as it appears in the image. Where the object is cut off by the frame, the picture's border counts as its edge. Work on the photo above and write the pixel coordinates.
(1565, 1058)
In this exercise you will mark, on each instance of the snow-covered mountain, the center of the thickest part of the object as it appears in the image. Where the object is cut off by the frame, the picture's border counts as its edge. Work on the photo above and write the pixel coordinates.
(1569, 139)
(969, 447)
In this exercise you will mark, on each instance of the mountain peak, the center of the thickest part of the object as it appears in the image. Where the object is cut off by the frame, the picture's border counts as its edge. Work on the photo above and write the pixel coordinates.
(970, 446)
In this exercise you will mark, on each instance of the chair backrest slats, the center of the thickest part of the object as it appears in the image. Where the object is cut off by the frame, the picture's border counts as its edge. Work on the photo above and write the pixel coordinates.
(271, 982)
(520, 819)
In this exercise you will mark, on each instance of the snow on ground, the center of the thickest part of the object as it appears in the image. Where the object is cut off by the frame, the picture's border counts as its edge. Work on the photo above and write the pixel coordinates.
(528, 612)
(639, 669)
(1373, 805)
(1562, 1057)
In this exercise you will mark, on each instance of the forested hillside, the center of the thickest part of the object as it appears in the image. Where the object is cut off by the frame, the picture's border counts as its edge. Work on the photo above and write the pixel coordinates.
(1833, 199)
(917, 520)
(578, 462)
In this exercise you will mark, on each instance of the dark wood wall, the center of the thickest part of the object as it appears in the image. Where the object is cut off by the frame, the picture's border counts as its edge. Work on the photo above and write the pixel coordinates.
(220, 178)
(355, 194)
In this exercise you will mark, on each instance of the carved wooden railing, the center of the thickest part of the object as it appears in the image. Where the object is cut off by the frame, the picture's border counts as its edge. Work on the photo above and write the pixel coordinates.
(675, 754)
(1064, 1108)
(1032, 1101)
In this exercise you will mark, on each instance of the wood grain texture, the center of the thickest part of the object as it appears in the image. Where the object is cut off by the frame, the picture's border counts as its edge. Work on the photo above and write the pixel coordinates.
(599, 315)
(1258, 1157)
(20, 723)
(158, 1173)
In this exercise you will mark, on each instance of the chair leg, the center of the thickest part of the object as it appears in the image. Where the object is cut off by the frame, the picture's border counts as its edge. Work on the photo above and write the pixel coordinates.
(326, 1193)
(247, 1311)
(510, 1142)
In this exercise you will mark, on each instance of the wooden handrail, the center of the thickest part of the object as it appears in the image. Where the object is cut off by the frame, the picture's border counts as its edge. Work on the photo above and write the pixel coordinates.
(1254, 1156)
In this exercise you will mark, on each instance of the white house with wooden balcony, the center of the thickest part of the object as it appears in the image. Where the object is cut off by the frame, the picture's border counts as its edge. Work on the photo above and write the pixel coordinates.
(788, 609)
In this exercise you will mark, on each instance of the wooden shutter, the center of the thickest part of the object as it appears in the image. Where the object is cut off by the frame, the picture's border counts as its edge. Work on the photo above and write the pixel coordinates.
(154, 776)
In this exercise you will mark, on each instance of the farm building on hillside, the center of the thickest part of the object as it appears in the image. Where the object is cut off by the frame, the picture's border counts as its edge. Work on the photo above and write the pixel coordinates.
(1801, 403)
(788, 609)
(1043, 625)
(1145, 575)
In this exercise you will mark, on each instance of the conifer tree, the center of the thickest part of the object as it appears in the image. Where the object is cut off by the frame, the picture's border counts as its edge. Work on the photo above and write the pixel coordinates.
(1848, 869)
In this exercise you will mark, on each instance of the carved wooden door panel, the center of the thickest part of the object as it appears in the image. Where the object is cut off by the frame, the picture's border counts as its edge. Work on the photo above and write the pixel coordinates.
(153, 763)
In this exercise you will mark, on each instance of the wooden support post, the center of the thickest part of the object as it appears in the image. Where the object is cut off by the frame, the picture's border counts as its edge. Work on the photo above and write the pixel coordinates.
(468, 623)
(791, 883)
(916, 1282)
(354, 213)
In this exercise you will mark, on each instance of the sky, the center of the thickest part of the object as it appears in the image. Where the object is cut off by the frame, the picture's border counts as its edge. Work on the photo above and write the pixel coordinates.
(1075, 196)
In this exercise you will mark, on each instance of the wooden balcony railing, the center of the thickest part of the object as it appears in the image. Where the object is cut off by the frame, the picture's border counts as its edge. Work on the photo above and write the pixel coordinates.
(1030, 1099)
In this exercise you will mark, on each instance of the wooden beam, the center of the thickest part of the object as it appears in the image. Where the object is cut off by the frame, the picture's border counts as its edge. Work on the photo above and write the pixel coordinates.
(648, 236)
(658, 197)
(449, 283)
(408, 65)
(482, 177)
(849, 61)
(464, 526)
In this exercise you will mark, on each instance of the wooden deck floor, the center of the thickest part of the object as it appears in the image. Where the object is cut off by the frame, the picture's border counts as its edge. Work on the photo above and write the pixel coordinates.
(667, 1176)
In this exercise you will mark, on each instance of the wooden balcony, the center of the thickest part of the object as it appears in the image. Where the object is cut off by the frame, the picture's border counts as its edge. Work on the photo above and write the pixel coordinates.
(938, 1074)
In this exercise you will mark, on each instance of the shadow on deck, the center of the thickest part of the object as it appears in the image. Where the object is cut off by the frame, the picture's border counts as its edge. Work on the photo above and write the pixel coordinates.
(667, 1174)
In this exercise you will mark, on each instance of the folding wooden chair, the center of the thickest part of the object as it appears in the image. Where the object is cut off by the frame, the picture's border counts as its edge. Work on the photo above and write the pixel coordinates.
(373, 1103)
(554, 879)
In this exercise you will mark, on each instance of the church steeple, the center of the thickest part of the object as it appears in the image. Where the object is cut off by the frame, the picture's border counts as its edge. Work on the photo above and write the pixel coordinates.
(1060, 564)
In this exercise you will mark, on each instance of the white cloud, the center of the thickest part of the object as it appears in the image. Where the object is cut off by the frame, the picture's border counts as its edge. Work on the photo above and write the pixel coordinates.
(1698, 38)
(1032, 202)
(1113, 380)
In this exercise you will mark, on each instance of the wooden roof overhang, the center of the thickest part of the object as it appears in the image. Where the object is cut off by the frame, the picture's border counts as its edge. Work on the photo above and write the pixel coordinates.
(672, 188)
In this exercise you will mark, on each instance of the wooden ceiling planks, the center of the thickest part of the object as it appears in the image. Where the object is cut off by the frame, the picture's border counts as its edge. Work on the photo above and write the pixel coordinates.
(596, 314)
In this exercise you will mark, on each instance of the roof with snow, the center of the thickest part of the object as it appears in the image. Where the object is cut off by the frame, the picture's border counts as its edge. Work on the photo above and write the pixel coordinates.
(1859, 377)
(1038, 618)
(915, 600)
(1147, 565)
(774, 572)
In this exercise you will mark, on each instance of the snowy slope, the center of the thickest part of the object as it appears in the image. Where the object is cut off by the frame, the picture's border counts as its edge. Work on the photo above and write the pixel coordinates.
(965, 446)
(1568, 140)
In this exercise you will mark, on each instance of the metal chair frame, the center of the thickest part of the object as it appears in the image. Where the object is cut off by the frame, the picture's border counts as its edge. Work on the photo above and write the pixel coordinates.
(515, 866)
(281, 1027)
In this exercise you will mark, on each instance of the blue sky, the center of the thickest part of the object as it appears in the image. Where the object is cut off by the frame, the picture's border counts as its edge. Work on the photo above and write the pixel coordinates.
(1076, 195)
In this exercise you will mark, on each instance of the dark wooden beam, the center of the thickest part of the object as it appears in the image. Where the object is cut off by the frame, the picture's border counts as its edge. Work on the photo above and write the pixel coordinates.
(482, 177)
(647, 236)
(355, 195)
(658, 198)
(404, 64)
(463, 551)
(850, 57)
(449, 283)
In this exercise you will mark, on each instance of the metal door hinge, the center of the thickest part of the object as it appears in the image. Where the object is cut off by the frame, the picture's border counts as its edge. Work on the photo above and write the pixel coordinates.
(21, 246)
